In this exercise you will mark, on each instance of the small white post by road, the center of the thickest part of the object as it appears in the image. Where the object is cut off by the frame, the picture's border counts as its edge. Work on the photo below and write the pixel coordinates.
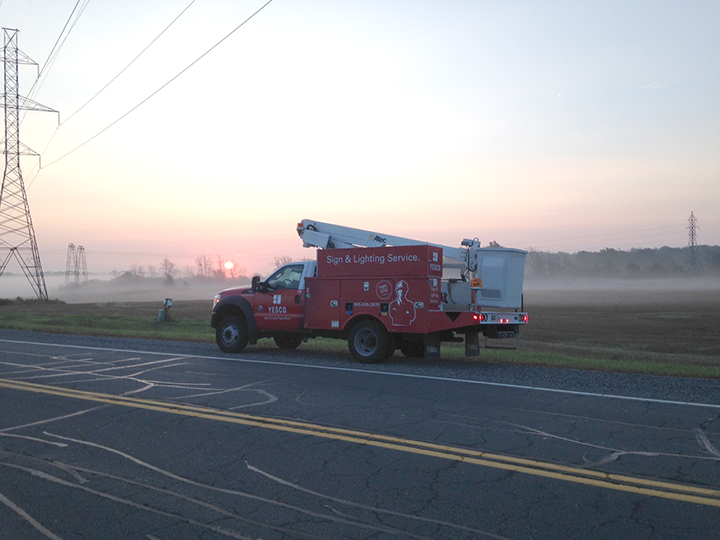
(162, 313)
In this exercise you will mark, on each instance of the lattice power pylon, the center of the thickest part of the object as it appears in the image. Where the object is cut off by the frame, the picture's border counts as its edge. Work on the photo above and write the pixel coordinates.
(81, 270)
(17, 235)
(693, 252)
(70, 264)
(76, 265)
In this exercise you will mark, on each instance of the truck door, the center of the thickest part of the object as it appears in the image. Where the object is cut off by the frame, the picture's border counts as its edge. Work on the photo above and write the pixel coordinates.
(279, 306)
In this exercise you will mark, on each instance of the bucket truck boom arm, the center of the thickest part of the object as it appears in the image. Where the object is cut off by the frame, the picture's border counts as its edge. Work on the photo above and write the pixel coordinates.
(329, 236)
(496, 272)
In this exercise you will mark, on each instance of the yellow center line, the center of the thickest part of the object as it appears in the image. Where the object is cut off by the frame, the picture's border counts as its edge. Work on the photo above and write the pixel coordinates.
(653, 488)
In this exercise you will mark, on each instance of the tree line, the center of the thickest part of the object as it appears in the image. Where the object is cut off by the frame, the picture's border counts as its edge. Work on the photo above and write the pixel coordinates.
(635, 263)
(607, 263)
(205, 267)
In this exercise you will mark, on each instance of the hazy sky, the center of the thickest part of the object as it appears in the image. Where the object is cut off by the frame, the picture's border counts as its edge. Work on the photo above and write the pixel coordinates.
(558, 126)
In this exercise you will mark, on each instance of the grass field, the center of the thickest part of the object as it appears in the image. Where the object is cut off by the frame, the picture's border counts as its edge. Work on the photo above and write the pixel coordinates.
(627, 328)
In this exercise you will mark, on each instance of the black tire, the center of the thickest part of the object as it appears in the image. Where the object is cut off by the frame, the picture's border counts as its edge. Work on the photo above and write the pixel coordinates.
(369, 342)
(288, 341)
(412, 349)
(231, 334)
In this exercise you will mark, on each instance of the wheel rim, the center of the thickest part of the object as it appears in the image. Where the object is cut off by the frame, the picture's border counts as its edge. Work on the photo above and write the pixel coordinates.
(366, 342)
(230, 335)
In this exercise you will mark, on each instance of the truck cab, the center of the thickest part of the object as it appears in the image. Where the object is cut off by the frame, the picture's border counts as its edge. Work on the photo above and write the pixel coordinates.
(274, 307)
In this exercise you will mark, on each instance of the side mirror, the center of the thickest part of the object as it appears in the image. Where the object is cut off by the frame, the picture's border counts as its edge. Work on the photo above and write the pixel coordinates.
(255, 283)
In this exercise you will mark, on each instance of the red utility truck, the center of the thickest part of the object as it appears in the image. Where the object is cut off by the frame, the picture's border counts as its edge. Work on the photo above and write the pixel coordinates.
(380, 293)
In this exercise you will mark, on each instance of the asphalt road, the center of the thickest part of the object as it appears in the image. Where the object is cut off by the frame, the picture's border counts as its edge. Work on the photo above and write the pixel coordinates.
(123, 439)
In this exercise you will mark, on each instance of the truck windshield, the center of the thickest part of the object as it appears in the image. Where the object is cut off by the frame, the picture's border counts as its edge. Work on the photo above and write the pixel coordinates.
(287, 277)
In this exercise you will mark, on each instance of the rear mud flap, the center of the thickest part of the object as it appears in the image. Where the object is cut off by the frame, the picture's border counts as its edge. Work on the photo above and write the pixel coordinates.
(431, 343)
(472, 342)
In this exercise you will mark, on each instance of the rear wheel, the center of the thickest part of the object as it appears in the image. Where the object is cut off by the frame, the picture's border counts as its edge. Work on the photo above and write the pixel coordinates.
(369, 342)
(231, 334)
(288, 341)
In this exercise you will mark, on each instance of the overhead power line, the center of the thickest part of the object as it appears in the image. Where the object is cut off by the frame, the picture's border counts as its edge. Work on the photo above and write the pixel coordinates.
(32, 180)
(49, 62)
(131, 62)
(55, 51)
(606, 236)
(161, 88)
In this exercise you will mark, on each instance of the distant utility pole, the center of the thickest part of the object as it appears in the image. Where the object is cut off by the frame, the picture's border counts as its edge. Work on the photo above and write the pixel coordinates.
(17, 235)
(693, 253)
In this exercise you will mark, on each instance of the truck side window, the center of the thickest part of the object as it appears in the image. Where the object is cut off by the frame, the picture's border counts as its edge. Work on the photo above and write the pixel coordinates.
(287, 277)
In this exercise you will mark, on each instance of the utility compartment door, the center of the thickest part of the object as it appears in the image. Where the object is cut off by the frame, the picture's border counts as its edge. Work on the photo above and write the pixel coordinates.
(322, 304)
(400, 304)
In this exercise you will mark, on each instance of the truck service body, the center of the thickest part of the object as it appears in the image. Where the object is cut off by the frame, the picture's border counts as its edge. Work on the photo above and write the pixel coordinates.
(380, 293)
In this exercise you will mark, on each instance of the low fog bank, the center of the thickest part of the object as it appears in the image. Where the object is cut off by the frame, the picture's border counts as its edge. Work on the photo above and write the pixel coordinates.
(622, 293)
(142, 290)
(538, 291)
(622, 284)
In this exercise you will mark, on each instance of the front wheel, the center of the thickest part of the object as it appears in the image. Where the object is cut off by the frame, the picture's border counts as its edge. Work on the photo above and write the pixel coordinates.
(231, 334)
(369, 342)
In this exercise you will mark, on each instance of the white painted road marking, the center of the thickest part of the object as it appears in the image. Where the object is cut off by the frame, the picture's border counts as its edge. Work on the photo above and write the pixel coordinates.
(376, 372)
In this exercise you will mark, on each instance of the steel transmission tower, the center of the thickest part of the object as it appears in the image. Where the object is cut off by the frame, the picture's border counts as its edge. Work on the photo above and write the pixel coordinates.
(17, 236)
(81, 271)
(693, 252)
(76, 265)
(71, 263)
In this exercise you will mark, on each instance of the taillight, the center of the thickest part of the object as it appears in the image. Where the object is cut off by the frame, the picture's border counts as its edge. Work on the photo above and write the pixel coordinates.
(479, 317)
(524, 317)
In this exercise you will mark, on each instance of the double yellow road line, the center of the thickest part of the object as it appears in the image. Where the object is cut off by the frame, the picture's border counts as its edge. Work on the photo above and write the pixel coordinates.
(618, 482)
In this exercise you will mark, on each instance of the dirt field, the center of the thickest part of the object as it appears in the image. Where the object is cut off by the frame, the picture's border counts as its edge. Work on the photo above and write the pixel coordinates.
(641, 318)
